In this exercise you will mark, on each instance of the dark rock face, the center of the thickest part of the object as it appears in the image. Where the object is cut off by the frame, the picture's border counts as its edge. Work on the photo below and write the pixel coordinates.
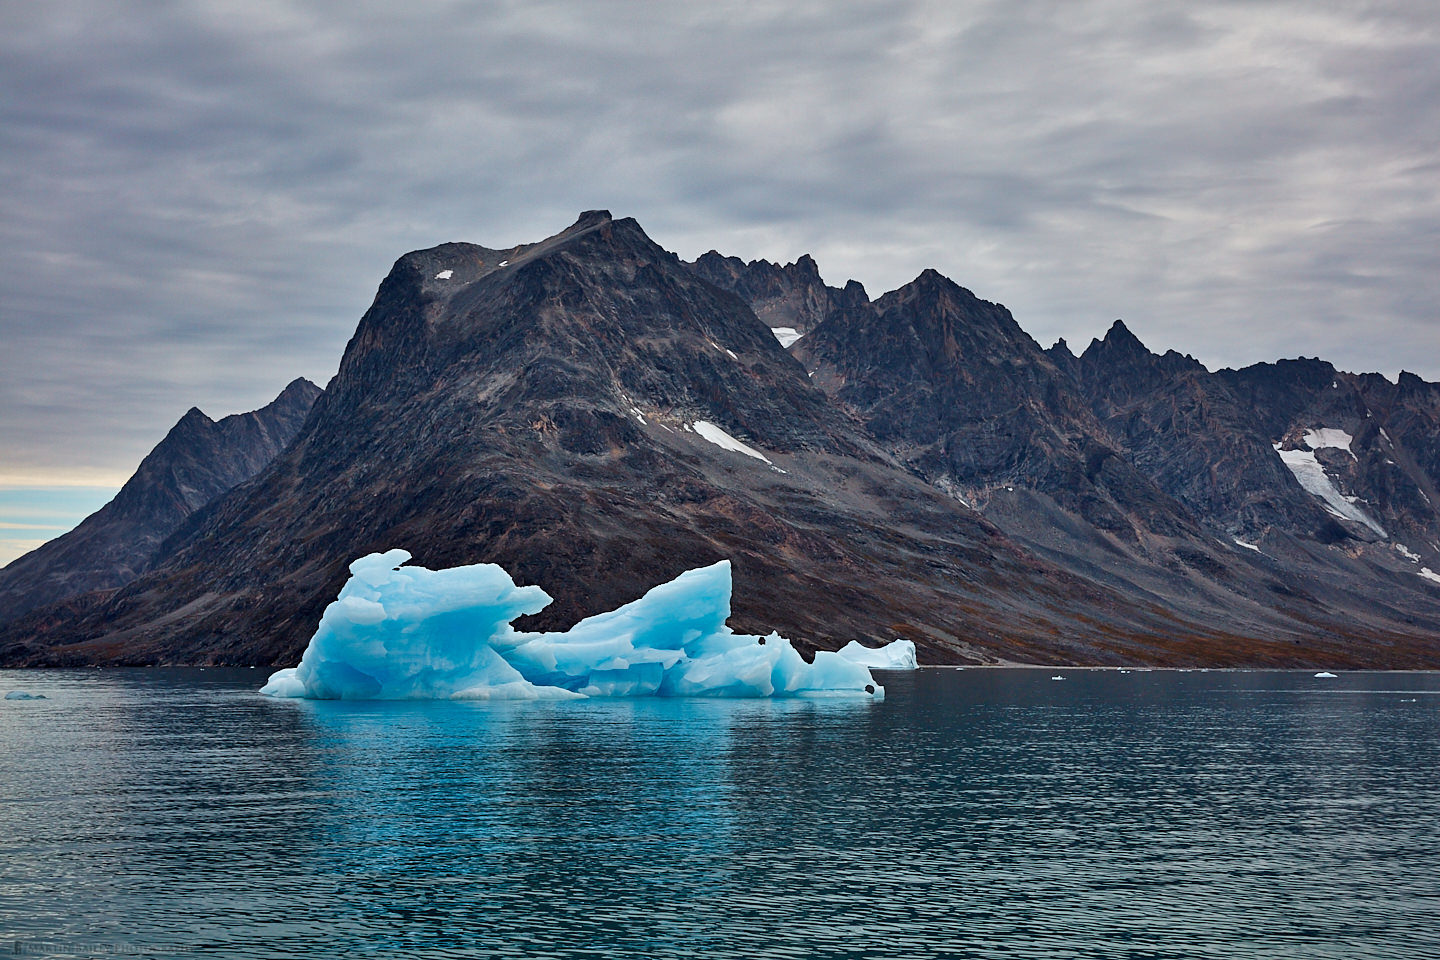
(791, 296)
(930, 472)
(1389, 465)
(198, 460)
(1187, 431)
(952, 385)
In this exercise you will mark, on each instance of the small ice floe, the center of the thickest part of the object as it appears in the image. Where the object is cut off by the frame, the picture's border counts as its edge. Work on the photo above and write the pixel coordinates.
(23, 695)
(1057, 677)
(720, 438)
(896, 655)
(786, 335)
(1325, 674)
(444, 274)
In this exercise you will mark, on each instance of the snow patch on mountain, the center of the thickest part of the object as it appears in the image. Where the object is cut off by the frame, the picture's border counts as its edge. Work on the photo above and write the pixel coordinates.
(786, 335)
(1311, 475)
(720, 438)
(1329, 437)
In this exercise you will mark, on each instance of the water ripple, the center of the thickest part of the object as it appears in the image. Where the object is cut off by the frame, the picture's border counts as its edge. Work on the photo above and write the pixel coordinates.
(970, 814)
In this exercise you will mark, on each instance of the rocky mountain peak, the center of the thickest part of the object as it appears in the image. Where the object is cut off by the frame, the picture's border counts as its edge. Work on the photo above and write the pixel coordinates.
(298, 397)
(591, 218)
(854, 293)
(949, 321)
(792, 296)
(195, 414)
(1118, 346)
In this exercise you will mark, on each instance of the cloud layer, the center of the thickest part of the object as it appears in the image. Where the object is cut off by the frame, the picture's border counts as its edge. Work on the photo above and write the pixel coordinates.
(197, 200)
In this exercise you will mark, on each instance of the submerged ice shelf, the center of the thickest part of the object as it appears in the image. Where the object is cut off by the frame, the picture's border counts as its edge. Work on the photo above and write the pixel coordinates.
(404, 633)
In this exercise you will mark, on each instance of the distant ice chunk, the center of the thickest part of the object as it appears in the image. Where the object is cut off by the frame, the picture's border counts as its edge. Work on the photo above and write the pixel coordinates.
(896, 655)
(786, 335)
(720, 438)
(1325, 674)
(1057, 677)
(23, 695)
(444, 274)
(398, 632)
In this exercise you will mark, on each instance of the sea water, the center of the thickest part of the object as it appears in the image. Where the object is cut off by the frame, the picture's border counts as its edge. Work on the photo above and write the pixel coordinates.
(974, 813)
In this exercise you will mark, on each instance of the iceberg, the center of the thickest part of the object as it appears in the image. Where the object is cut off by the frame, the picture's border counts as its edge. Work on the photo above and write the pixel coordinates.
(23, 695)
(895, 655)
(407, 633)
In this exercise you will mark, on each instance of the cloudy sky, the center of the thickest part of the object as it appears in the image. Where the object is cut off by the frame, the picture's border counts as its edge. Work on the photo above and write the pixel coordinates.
(198, 199)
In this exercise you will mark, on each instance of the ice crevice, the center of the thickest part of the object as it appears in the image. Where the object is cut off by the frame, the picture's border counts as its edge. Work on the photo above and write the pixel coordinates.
(401, 632)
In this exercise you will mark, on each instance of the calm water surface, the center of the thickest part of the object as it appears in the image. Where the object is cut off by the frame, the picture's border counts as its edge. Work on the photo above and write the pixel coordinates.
(976, 813)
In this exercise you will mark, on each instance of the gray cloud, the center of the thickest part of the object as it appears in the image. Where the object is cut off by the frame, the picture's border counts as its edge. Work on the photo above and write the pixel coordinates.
(197, 200)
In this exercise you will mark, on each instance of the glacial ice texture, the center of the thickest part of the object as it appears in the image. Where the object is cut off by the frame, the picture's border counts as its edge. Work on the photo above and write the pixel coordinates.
(408, 633)
(896, 655)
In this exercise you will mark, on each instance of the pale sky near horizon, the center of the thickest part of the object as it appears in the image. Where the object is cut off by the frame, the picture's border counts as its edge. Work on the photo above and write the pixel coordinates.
(198, 199)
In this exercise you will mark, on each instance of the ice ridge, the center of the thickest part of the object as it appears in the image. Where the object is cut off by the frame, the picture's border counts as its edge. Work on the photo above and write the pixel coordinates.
(404, 633)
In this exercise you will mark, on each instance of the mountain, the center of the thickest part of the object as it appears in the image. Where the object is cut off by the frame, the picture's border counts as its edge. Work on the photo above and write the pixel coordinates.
(198, 460)
(597, 415)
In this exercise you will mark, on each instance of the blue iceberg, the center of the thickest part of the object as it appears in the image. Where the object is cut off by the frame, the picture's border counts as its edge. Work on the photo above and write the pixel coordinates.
(408, 633)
